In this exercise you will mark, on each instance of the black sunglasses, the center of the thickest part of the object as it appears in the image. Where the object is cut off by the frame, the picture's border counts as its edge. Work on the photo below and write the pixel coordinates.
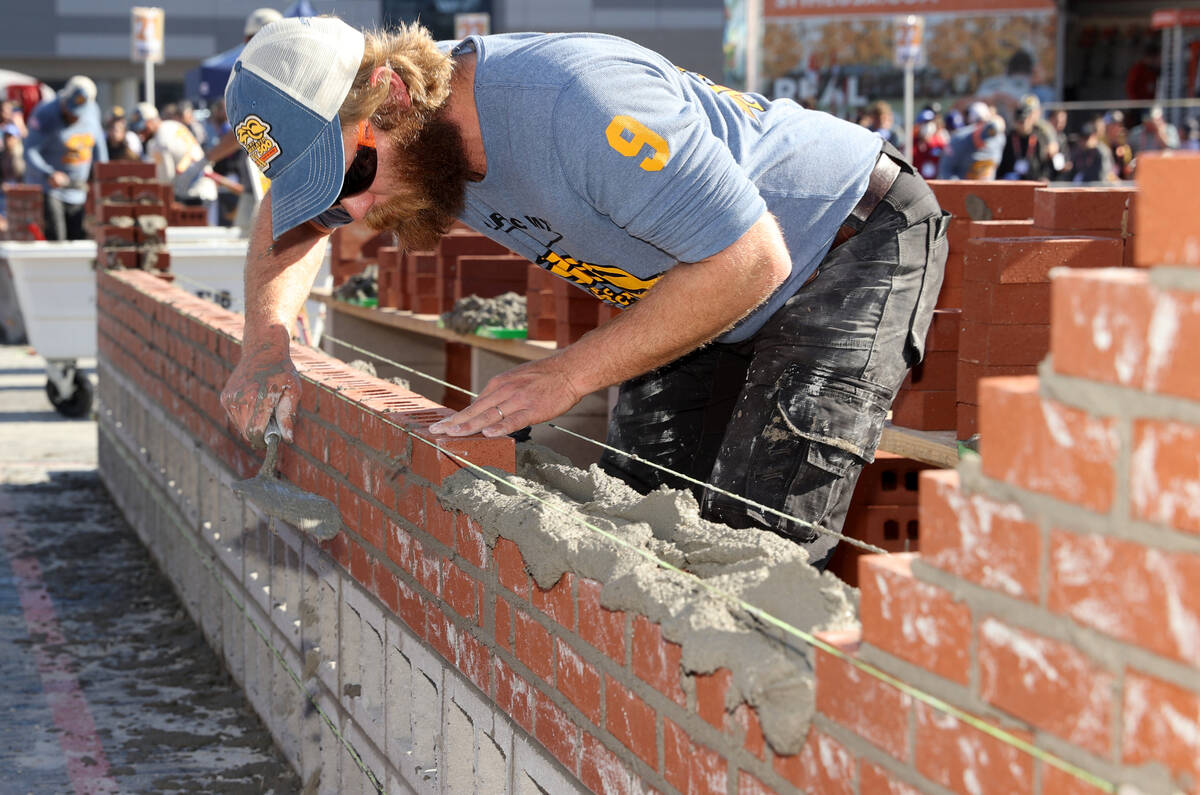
(361, 173)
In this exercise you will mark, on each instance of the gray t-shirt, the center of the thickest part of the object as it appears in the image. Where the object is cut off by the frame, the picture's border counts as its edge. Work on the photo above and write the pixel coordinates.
(608, 165)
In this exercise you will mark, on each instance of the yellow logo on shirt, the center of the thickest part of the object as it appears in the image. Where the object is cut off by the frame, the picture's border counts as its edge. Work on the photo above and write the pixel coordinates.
(611, 285)
(253, 135)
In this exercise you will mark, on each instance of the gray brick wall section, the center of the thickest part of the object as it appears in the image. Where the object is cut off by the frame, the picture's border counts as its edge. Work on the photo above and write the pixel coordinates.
(274, 606)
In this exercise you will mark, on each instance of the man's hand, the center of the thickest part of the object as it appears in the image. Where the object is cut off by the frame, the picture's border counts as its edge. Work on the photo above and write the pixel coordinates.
(526, 395)
(59, 179)
(265, 382)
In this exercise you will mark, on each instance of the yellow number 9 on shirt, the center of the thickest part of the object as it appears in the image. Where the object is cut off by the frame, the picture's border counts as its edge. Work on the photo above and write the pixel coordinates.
(639, 135)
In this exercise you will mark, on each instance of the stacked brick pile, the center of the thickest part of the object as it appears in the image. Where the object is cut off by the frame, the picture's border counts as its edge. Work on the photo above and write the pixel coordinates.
(121, 193)
(882, 513)
(353, 248)
(23, 211)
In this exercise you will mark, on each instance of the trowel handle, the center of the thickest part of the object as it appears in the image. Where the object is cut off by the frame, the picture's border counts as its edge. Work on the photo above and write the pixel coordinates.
(272, 430)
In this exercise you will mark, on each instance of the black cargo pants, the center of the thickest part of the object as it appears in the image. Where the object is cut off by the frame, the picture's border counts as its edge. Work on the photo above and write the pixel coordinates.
(788, 417)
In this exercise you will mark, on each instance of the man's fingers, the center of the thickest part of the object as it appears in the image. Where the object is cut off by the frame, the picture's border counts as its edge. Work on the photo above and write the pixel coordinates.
(285, 413)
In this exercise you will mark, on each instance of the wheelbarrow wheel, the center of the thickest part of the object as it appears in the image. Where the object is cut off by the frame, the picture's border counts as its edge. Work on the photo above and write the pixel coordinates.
(78, 404)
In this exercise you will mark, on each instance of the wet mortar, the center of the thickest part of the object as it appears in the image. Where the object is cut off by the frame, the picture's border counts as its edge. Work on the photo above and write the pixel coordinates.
(772, 670)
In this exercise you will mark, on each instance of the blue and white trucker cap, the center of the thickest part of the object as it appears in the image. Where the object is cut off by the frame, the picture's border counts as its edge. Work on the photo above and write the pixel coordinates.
(283, 99)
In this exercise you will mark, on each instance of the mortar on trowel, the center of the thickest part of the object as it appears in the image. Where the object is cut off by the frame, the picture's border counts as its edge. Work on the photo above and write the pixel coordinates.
(310, 513)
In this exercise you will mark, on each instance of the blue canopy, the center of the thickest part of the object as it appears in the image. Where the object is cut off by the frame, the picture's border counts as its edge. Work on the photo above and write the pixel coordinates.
(206, 83)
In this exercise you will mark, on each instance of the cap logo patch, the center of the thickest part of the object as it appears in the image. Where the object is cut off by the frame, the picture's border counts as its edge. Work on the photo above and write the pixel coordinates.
(254, 136)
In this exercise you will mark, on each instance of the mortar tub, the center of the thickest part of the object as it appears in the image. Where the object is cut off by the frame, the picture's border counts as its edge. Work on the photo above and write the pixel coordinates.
(56, 291)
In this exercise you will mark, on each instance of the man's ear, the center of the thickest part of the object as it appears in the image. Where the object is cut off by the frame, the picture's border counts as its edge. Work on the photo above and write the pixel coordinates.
(397, 91)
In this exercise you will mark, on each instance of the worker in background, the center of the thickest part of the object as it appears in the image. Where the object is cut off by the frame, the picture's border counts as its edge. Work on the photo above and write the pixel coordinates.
(777, 267)
(176, 153)
(974, 150)
(65, 138)
(250, 177)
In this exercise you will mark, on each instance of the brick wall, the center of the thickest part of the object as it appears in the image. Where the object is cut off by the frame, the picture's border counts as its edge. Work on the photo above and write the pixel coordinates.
(1055, 596)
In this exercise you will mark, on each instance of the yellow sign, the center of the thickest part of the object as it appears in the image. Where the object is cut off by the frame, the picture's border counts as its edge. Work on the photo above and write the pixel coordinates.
(147, 40)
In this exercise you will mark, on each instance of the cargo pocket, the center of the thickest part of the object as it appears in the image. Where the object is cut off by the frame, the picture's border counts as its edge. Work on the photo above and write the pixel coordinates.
(931, 284)
(843, 418)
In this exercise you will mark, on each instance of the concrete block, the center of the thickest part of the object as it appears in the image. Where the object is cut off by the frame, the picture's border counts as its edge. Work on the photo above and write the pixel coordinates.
(491, 765)
(397, 704)
(349, 656)
(369, 759)
(229, 526)
(285, 583)
(426, 727)
(320, 599)
(458, 774)
(256, 550)
(258, 662)
(534, 765)
(368, 708)
(329, 779)
(288, 702)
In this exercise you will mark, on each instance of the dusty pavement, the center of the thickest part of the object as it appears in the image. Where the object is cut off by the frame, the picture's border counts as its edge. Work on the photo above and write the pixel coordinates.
(106, 685)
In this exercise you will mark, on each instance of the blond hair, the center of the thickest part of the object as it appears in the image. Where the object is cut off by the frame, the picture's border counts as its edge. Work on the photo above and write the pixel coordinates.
(411, 53)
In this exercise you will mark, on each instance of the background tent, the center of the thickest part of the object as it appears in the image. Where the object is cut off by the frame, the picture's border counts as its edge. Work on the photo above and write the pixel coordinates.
(206, 83)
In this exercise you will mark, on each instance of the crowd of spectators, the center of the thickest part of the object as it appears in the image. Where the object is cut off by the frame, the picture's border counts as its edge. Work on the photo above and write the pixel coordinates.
(1025, 142)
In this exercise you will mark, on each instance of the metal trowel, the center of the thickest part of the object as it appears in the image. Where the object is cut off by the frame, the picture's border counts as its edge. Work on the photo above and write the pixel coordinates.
(311, 513)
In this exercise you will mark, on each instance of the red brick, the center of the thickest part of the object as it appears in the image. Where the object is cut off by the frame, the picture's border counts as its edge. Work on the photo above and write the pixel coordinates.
(461, 592)
(429, 569)
(690, 768)
(924, 410)
(1045, 446)
(470, 542)
(360, 565)
(889, 480)
(1165, 474)
(510, 567)
(711, 690)
(439, 522)
(602, 771)
(745, 720)
(514, 695)
(386, 587)
(474, 659)
(1047, 683)
(504, 623)
(557, 602)
(912, 620)
(1083, 209)
(1147, 597)
(824, 766)
(411, 611)
(1117, 328)
(603, 628)
(1060, 782)
(1166, 211)
(749, 785)
(1161, 723)
(935, 372)
(579, 681)
(1011, 345)
(1015, 228)
(877, 781)
(410, 503)
(631, 721)
(969, 374)
(1029, 259)
(966, 760)
(435, 457)
(440, 633)
(989, 543)
(875, 711)
(554, 729)
(943, 330)
(533, 644)
(400, 549)
(657, 661)
(1007, 304)
(1006, 200)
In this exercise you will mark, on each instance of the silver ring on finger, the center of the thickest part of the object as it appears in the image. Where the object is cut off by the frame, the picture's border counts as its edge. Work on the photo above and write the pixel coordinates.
(500, 412)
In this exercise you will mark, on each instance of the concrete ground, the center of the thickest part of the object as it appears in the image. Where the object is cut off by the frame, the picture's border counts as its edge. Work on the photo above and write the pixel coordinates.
(107, 685)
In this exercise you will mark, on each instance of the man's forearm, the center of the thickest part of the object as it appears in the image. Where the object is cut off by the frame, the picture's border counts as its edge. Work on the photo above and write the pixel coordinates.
(279, 274)
(690, 305)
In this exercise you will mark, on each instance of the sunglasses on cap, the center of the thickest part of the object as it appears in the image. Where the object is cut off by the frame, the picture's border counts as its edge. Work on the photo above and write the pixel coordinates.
(361, 173)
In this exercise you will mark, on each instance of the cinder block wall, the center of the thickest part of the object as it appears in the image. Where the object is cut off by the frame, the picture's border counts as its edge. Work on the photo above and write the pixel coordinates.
(1055, 597)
